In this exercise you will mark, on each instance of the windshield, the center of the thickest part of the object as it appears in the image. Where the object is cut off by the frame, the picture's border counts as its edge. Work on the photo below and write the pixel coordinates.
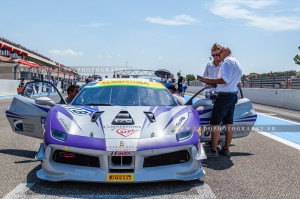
(124, 96)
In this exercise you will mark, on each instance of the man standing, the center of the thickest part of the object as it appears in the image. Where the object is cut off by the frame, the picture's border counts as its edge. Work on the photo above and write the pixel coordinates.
(179, 83)
(228, 78)
(213, 66)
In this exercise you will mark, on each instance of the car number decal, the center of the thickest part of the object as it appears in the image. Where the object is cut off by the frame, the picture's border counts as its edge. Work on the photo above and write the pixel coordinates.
(78, 111)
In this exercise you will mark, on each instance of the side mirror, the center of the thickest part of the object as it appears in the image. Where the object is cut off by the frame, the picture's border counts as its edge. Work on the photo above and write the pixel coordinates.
(202, 102)
(45, 101)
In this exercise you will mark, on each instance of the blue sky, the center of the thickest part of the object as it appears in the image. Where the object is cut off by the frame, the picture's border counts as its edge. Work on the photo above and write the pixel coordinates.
(150, 34)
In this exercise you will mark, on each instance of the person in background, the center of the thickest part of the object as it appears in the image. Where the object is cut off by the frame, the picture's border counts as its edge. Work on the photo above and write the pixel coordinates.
(223, 110)
(72, 92)
(22, 83)
(179, 98)
(165, 79)
(62, 85)
(168, 81)
(179, 83)
(20, 88)
(172, 79)
(89, 79)
(184, 86)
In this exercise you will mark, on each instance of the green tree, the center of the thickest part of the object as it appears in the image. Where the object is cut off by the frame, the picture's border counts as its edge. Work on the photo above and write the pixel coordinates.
(190, 77)
(297, 58)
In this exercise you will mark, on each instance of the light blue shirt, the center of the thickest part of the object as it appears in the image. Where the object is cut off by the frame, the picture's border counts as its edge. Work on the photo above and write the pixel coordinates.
(231, 72)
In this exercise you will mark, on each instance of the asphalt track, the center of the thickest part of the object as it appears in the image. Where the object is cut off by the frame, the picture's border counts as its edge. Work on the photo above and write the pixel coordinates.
(260, 167)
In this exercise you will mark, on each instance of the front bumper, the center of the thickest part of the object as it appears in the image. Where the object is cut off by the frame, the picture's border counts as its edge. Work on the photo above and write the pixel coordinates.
(138, 172)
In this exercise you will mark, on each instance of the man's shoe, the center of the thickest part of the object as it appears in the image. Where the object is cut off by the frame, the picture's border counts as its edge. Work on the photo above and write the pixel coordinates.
(212, 153)
(225, 152)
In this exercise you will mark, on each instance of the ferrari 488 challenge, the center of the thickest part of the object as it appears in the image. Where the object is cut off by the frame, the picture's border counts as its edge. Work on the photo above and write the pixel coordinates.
(117, 130)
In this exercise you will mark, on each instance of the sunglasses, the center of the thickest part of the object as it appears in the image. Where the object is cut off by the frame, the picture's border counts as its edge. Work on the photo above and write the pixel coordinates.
(215, 55)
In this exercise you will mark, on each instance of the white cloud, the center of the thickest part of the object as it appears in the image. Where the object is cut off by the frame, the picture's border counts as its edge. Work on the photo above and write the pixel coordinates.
(255, 13)
(67, 52)
(175, 21)
(95, 24)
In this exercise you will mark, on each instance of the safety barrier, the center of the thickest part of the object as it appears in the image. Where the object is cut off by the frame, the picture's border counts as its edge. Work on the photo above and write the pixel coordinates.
(9, 87)
(284, 98)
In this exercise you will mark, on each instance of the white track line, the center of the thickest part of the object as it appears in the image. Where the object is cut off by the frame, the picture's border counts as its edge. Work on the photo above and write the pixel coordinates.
(284, 141)
(203, 190)
(19, 191)
(278, 118)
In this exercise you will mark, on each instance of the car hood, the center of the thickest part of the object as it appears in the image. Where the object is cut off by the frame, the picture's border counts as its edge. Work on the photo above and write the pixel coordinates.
(113, 122)
(121, 128)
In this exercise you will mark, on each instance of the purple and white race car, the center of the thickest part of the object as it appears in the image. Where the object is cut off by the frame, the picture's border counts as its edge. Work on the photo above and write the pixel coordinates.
(117, 130)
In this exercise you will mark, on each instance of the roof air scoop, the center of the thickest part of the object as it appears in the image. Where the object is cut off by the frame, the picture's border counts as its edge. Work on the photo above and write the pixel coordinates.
(96, 115)
(150, 116)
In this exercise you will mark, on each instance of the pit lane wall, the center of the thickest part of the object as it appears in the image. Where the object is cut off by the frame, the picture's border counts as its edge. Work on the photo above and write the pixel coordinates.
(284, 98)
(9, 87)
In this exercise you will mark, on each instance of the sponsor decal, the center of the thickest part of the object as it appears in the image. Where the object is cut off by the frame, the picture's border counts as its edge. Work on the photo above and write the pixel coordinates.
(180, 121)
(121, 144)
(121, 126)
(120, 153)
(18, 124)
(204, 122)
(123, 118)
(207, 133)
(121, 147)
(78, 111)
(119, 177)
(126, 132)
(28, 127)
(176, 125)
(132, 83)
(123, 121)
(66, 148)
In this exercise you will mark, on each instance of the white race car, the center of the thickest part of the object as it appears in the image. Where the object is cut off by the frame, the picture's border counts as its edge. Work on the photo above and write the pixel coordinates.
(117, 130)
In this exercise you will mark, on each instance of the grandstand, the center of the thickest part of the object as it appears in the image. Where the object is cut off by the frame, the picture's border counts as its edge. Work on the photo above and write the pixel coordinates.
(271, 82)
(275, 82)
(18, 62)
(295, 83)
(266, 82)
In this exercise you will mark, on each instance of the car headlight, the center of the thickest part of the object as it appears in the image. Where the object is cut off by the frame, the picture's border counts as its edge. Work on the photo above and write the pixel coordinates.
(184, 135)
(59, 135)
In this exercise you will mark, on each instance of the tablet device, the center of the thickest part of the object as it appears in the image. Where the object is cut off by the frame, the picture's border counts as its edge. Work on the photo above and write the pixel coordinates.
(199, 77)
